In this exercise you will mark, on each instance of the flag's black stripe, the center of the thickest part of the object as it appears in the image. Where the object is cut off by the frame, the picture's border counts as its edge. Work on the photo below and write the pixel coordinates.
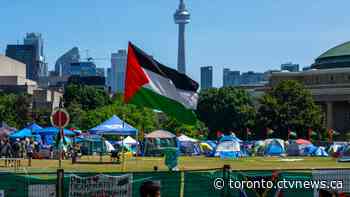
(181, 81)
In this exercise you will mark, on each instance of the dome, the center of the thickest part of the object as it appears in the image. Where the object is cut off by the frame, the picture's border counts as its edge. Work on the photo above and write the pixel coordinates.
(336, 57)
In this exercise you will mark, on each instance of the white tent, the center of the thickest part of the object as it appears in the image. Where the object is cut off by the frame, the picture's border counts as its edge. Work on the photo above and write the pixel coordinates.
(129, 140)
(184, 138)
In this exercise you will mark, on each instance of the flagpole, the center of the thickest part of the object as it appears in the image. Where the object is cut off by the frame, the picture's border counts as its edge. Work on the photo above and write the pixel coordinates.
(60, 136)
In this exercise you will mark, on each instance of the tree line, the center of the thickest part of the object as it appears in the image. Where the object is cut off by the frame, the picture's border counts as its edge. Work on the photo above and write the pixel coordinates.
(287, 107)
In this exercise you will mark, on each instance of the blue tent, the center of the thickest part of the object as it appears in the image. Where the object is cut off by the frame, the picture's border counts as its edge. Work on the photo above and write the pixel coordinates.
(34, 127)
(53, 131)
(274, 147)
(310, 150)
(23, 133)
(321, 152)
(114, 126)
(229, 138)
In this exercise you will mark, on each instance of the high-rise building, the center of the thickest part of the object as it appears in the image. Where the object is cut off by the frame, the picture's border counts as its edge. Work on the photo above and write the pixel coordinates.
(36, 40)
(289, 66)
(25, 54)
(206, 77)
(32, 54)
(100, 72)
(181, 17)
(118, 64)
(251, 77)
(62, 66)
(231, 78)
(83, 69)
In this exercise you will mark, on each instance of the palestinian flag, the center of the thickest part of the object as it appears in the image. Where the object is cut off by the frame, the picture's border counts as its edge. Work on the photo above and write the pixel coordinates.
(149, 83)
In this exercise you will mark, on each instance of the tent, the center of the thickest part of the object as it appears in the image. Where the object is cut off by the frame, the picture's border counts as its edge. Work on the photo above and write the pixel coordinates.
(310, 150)
(231, 137)
(302, 141)
(129, 143)
(49, 134)
(158, 140)
(34, 127)
(91, 144)
(296, 149)
(161, 134)
(114, 126)
(189, 146)
(345, 154)
(128, 140)
(274, 147)
(53, 131)
(5, 130)
(23, 133)
(228, 149)
(336, 148)
(321, 152)
(184, 138)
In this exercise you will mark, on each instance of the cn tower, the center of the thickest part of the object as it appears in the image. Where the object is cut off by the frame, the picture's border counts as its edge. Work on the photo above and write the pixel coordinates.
(181, 17)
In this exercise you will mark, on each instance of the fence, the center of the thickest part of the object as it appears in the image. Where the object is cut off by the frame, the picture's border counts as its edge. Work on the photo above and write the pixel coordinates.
(173, 184)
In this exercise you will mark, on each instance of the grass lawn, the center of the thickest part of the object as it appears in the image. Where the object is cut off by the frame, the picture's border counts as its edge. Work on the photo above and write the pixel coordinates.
(185, 163)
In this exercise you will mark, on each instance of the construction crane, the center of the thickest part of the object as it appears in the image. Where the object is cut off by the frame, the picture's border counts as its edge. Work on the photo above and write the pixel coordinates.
(91, 59)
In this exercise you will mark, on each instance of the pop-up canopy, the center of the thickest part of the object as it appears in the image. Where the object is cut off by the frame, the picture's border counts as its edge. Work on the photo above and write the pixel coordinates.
(23, 133)
(114, 126)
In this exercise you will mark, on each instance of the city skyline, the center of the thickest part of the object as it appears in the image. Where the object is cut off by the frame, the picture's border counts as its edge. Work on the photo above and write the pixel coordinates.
(239, 38)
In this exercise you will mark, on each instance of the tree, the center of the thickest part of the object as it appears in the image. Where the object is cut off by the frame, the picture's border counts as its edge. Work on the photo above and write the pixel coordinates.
(226, 109)
(88, 97)
(288, 106)
(174, 126)
(7, 109)
(15, 109)
(140, 118)
(23, 111)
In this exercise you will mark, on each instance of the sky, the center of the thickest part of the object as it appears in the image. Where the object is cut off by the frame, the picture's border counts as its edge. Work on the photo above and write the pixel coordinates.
(243, 35)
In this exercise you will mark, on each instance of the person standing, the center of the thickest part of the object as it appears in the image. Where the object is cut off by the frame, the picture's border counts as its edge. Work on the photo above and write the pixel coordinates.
(30, 150)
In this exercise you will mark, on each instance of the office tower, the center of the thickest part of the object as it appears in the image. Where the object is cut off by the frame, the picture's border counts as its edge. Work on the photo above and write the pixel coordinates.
(62, 66)
(118, 65)
(100, 72)
(251, 77)
(36, 40)
(206, 77)
(231, 78)
(181, 17)
(27, 55)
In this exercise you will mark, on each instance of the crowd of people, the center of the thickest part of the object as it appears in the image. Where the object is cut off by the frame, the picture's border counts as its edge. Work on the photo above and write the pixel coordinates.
(18, 148)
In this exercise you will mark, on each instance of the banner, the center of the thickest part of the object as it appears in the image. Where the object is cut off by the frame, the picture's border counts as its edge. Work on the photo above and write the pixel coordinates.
(42, 190)
(100, 186)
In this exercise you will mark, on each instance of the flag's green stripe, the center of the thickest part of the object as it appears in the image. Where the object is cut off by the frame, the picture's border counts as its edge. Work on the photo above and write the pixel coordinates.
(147, 98)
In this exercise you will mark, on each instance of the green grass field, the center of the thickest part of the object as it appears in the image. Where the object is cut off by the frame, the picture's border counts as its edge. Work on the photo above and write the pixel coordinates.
(185, 163)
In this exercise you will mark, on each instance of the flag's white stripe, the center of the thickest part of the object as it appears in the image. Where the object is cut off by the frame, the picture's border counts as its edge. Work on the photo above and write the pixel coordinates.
(166, 87)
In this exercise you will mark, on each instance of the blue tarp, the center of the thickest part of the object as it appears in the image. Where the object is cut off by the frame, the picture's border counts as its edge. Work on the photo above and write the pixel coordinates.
(114, 126)
(53, 131)
(23, 133)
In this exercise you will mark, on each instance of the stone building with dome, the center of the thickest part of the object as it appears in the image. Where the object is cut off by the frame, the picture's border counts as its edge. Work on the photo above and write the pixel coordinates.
(329, 82)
